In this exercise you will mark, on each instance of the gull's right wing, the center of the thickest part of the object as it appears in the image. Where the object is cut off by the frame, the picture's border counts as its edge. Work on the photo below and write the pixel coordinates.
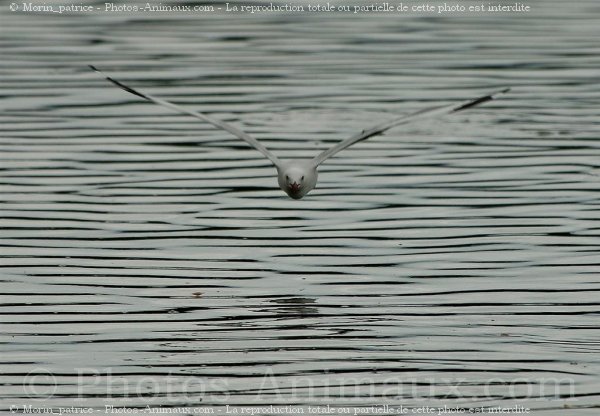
(421, 114)
(217, 123)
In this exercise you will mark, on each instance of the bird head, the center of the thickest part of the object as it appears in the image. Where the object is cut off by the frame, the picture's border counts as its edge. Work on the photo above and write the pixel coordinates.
(294, 181)
(297, 179)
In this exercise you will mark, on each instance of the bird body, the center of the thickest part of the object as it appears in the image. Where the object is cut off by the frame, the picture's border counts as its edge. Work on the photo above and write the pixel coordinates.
(298, 177)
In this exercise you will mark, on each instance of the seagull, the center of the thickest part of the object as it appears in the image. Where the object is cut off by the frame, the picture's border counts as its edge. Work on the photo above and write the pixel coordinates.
(298, 177)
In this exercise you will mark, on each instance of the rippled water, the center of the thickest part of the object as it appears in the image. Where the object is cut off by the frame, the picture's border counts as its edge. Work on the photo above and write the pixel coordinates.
(148, 258)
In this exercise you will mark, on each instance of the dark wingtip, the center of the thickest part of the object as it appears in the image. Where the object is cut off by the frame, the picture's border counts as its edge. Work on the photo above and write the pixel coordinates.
(481, 100)
(118, 84)
(502, 91)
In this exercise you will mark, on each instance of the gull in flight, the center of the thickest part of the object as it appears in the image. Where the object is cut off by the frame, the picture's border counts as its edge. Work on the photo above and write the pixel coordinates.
(298, 177)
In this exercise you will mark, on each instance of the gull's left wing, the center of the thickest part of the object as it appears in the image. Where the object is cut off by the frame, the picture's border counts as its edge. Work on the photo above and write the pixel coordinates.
(421, 114)
(217, 123)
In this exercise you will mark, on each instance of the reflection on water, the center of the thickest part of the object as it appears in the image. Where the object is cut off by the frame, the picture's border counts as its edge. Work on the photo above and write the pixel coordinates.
(453, 261)
(294, 307)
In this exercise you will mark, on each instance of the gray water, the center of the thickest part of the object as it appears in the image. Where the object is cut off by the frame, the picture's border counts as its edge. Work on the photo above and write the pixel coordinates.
(149, 259)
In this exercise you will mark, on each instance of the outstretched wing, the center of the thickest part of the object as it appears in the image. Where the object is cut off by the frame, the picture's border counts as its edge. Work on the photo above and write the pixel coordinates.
(421, 114)
(217, 123)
